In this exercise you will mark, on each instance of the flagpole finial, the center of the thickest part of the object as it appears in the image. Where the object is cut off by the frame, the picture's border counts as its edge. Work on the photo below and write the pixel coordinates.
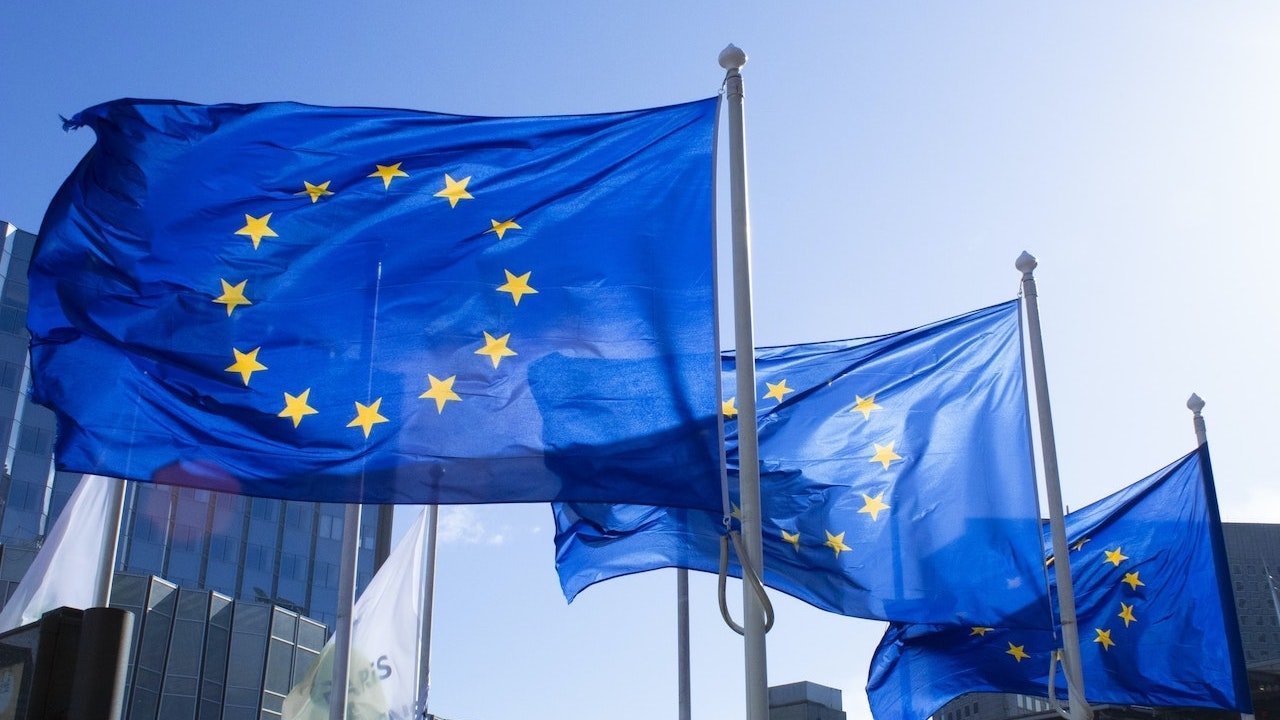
(1025, 263)
(1195, 404)
(732, 57)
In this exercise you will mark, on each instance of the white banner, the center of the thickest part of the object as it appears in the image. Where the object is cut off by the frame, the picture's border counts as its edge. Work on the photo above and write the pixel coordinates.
(67, 568)
(386, 624)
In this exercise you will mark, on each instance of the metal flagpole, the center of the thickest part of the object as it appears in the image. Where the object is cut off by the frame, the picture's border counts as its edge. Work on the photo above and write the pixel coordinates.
(1078, 707)
(346, 602)
(1196, 405)
(682, 642)
(428, 609)
(757, 681)
(110, 540)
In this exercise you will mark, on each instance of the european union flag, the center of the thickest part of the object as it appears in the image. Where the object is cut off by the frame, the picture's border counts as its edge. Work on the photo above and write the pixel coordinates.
(386, 306)
(896, 482)
(1153, 602)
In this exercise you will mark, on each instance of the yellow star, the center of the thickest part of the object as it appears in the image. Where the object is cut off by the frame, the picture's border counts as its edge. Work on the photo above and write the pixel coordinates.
(791, 538)
(1115, 557)
(232, 296)
(315, 191)
(367, 416)
(517, 285)
(728, 409)
(735, 512)
(387, 172)
(836, 542)
(295, 407)
(1131, 579)
(501, 228)
(1080, 544)
(865, 406)
(873, 505)
(1104, 638)
(441, 391)
(496, 348)
(455, 190)
(1018, 652)
(885, 455)
(777, 391)
(1126, 614)
(246, 364)
(256, 228)
(979, 631)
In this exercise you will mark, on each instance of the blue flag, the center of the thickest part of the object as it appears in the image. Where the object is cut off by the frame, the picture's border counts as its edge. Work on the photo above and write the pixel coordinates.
(1153, 602)
(896, 482)
(385, 306)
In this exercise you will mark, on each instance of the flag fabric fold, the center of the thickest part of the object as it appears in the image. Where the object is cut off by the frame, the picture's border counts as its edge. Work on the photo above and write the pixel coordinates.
(1154, 605)
(386, 624)
(896, 482)
(385, 306)
(68, 567)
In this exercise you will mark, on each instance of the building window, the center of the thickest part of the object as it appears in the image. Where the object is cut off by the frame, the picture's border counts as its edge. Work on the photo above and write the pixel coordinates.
(330, 527)
(265, 509)
(11, 320)
(35, 440)
(293, 515)
(10, 375)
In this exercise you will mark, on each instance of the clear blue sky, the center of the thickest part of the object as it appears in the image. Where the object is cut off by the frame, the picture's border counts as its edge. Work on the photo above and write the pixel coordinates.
(901, 156)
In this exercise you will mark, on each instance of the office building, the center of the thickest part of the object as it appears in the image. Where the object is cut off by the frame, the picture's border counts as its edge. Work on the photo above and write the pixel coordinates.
(1253, 550)
(193, 655)
(805, 701)
(253, 549)
(200, 655)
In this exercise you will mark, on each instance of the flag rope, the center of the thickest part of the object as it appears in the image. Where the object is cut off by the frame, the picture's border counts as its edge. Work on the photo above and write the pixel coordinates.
(749, 576)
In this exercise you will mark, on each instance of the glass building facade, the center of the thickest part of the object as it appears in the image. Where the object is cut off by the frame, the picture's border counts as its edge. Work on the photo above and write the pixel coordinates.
(1254, 552)
(253, 549)
(200, 655)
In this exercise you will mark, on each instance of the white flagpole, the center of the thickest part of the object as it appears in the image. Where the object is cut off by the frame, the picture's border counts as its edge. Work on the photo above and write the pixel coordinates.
(428, 609)
(346, 601)
(110, 540)
(1077, 705)
(1196, 405)
(757, 678)
(682, 642)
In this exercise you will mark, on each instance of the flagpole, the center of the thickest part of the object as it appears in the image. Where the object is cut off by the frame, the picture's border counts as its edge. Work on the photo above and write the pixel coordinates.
(1196, 405)
(428, 608)
(757, 680)
(1078, 707)
(682, 642)
(110, 540)
(346, 601)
